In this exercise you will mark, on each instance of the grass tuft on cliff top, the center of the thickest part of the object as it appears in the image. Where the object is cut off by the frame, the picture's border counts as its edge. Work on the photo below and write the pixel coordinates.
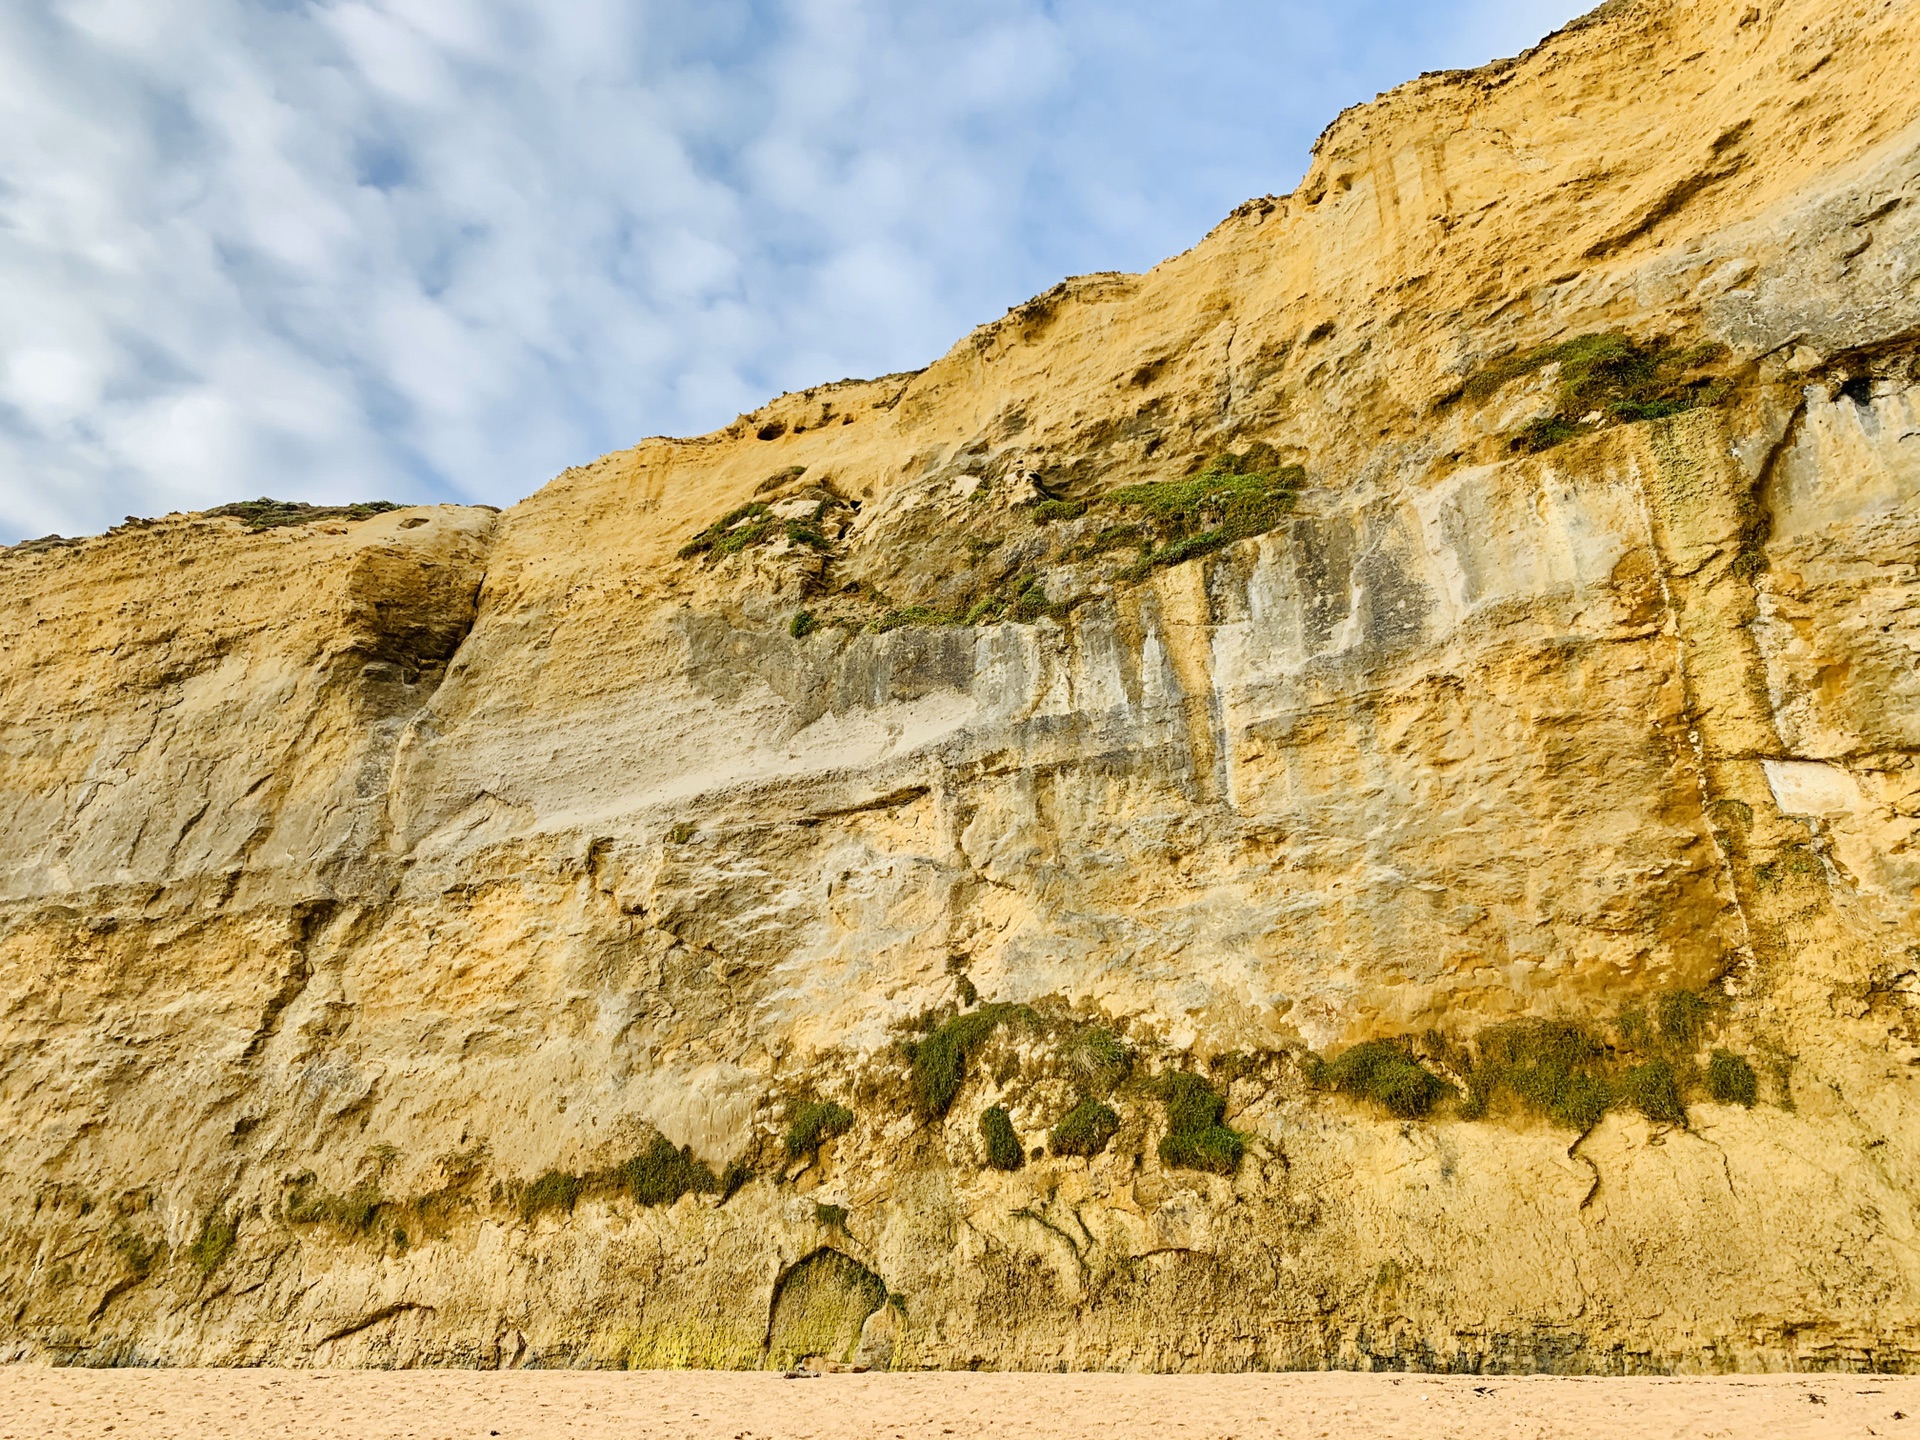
(269, 514)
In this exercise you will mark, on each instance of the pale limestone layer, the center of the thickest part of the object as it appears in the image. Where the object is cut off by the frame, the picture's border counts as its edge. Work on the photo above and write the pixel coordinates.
(435, 851)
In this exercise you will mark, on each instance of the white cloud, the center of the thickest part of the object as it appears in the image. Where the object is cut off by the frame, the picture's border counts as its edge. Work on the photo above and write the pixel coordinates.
(442, 248)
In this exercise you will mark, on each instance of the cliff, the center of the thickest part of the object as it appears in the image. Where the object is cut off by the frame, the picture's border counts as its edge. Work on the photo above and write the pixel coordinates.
(1349, 800)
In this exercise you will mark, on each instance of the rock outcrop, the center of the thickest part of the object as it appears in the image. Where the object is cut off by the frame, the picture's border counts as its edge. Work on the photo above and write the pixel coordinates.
(1350, 800)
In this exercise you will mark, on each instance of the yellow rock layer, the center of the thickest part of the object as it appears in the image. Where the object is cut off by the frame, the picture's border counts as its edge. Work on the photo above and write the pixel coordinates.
(356, 875)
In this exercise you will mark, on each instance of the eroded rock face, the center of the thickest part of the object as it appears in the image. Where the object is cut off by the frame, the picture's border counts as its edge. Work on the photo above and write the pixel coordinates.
(375, 896)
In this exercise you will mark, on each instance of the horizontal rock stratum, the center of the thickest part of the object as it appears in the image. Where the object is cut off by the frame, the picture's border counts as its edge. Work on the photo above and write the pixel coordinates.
(1349, 800)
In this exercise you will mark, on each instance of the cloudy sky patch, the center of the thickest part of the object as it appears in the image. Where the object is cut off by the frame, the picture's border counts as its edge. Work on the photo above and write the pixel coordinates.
(441, 249)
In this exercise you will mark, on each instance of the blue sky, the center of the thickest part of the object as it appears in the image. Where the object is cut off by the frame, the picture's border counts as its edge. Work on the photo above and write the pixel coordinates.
(441, 249)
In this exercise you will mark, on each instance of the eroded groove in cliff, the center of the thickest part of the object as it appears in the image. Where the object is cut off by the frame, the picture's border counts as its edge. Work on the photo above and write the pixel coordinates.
(308, 919)
(368, 1321)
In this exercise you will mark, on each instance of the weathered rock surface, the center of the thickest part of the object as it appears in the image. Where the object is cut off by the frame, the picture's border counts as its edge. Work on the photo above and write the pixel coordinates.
(354, 876)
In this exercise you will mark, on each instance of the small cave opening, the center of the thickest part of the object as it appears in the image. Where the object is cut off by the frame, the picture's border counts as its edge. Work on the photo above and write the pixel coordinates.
(820, 1303)
(1859, 390)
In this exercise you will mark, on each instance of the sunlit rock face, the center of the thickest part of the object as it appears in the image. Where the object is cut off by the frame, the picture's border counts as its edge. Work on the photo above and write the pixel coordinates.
(1471, 603)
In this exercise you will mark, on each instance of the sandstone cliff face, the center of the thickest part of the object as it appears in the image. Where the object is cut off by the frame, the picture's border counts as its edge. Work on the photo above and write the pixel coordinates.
(378, 894)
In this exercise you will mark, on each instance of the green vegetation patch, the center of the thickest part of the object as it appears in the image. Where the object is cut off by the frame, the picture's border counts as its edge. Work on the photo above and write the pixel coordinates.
(352, 1213)
(1572, 1074)
(1682, 1016)
(809, 534)
(1085, 1129)
(732, 532)
(1048, 511)
(830, 1217)
(218, 1234)
(555, 1190)
(1384, 1072)
(658, 1175)
(140, 1254)
(1555, 1068)
(904, 615)
(1605, 379)
(1115, 537)
(1791, 862)
(266, 514)
(1097, 1058)
(803, 624)
(1003, 1145)
(1023, 600)
(1195, 1139)
(1730, 1079)
(940, 1060)
(815, 1122)
(779, 478)
(662, 1173)
(754, 522)
(1232, 498)
(1654, 1091)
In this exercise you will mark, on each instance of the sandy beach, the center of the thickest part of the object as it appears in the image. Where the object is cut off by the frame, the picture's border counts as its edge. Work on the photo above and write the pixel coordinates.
(47, 1404)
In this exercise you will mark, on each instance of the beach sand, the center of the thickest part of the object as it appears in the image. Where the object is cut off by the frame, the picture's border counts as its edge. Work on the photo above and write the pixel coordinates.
(38, 1403)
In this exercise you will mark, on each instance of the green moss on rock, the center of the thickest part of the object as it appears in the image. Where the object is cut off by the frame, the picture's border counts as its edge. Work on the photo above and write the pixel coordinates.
(1085, 1129)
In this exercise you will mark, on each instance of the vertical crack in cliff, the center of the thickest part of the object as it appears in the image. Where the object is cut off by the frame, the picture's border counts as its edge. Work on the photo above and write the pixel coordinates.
(309, 918)
(1757, 505)
(1574, 1153)
(1691, 711)
(1186, 637)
